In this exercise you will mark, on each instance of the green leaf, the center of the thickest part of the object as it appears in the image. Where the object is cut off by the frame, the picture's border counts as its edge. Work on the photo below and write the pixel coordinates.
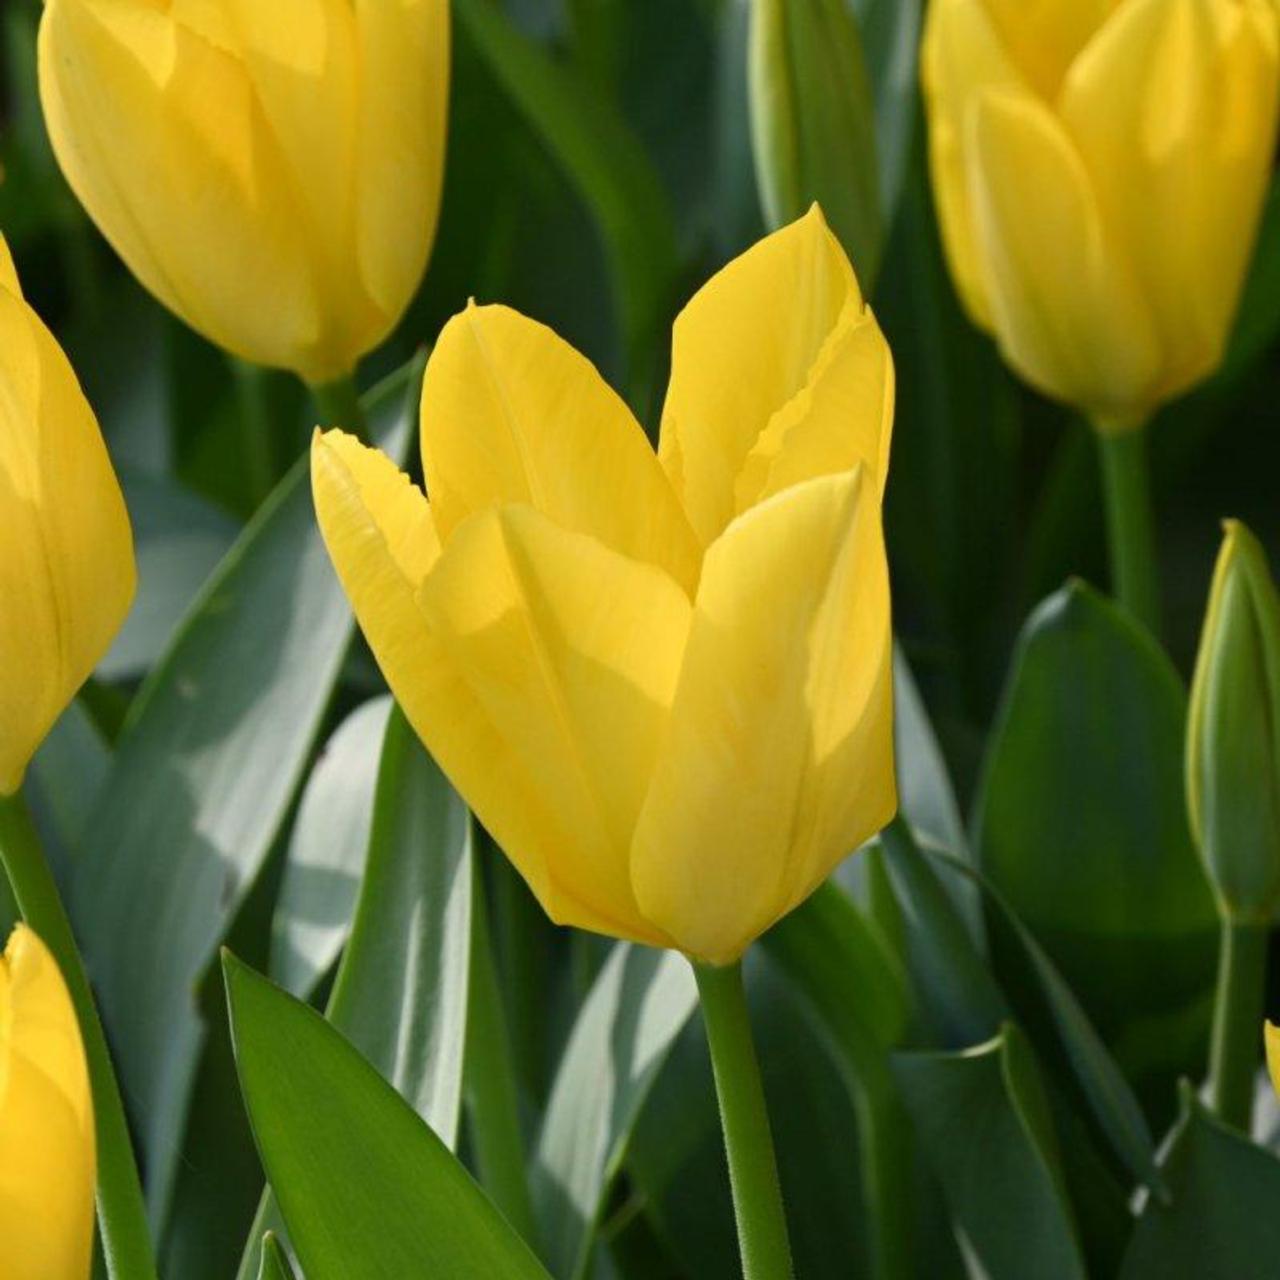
(813, 123)
(327, 851)
(627, 1025)
(891, 41)
(961, 1001)
(179, 539)
(275, 1265)
(1081, 823)
(1221, 1219)
(983, 1119)
(401, 993)
(203, 778)
(582, 130)
(367, 1189)
(1049, 1006)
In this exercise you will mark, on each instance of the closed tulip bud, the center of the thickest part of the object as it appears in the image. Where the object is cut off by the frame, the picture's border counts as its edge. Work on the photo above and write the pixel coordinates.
(66, 551)
(270, 171)
(663, 683)
(1233, 734)
(47, 1161)
(1099, 168)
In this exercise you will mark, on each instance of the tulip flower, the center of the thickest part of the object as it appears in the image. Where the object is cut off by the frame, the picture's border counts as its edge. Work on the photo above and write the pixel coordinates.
(47, 1162)
(271, 172)
(1233, 799)
(1099, 169)
(66, 551)
(663, 683)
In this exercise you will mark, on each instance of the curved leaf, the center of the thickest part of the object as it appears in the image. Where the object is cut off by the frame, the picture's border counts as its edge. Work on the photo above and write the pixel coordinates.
(367, 1189)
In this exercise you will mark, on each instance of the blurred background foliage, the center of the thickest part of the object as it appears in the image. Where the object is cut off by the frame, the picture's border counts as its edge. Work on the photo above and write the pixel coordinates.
(599, 169)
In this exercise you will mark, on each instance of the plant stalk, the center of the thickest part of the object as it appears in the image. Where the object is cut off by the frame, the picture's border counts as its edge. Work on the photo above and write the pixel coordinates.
(1131, 535)
(255, 428)
(338, 403)
(122, 1215)
(753, 1169)
(1237, 1021)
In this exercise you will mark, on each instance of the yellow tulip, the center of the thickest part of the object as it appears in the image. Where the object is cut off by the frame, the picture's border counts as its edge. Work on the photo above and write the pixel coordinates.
(270, 171)
(663, 683)
(47, 1161)
(1100, 168)
(66, 552)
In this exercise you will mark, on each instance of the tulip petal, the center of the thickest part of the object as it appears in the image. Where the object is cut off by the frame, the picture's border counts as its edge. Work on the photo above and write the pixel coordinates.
(1067, 310)
(382, 540)
(8, 272)
(844, 416)
(177, 195)
(747, 345)
(778, 761)
(572, 653)
(67, 572)
(47, 1161)
(962, 56)
(1173, 109)
(404, 74)
(300, 58)
(1045, 36)
(512, 414)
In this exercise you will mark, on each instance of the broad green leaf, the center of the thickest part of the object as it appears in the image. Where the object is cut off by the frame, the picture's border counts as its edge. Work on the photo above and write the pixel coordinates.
(275, 1265)
(179, 539)
(327, 849)
(1049, 1008)
(367, 1189)
(1221, 1219)
(983, 1120)
(813, 123)
(582, 130)
(402, 988)
(203, 778)
(1081, 823)
(626, 1028)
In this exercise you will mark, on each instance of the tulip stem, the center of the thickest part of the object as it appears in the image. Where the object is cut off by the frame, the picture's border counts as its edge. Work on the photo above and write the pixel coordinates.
(122, 1215)
(753, 1169)
(492, 1096)
(339, 405)
(1237, 1021)
(255, 428)
(1130, 524)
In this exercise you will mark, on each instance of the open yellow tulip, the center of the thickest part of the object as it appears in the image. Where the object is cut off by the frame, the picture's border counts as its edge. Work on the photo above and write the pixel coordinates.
(662, 682)
(270, 171)
(1271, 1036)
(66, 551)
(1100, 168)
(47, 1162)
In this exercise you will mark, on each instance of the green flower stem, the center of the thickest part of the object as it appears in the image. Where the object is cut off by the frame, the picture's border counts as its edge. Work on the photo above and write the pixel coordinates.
(339, 405)
(255, 427)
(1237, 1021)
(1130, 523)
(122, 1215)
(753, 1170)
(493, 1101)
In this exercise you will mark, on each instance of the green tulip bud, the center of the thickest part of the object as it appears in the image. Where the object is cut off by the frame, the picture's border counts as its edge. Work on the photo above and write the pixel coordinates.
(1233, 734)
